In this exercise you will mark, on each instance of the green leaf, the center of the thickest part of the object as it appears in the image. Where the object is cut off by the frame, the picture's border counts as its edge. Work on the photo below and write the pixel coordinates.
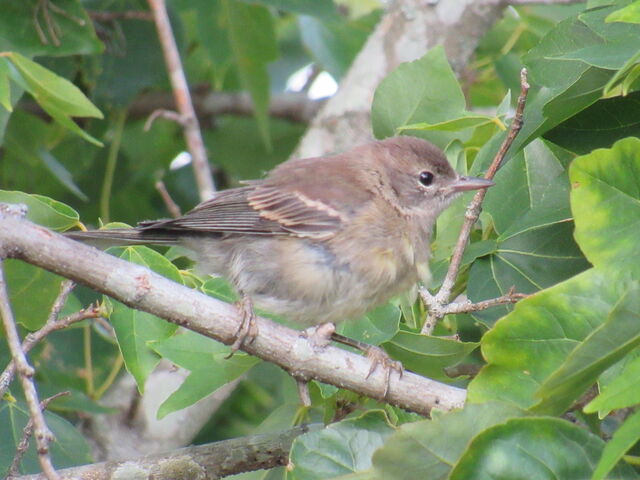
(535, 248)
(623, 439)
(69, 449)
(377, 326)
(605, 203)
(455, 124)
(250, 158)
(220, 288)
(629, 14)
(428, 355)
(206, 359)
(5, 87)
(57, 96)
(135, 329)
(430, 448)
(527, 346)
(252, 40)
(19, 33)
(625, 77)
(50, 89)
(32, 292)
(61, 173)
(425, 90)
(615, 45)
(623, 391)
(341, 448)
(607, 344)
(335, 42)
(571, 66)
(525, 448)
(66, 368)
(133, 65)
(60, 116)
(43, 210)
(600, 125)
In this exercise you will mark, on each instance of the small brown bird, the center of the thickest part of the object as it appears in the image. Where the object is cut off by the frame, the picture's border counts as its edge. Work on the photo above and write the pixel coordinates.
(320, 239)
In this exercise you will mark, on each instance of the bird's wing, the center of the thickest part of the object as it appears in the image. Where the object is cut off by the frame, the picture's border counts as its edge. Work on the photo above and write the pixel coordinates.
(257, 209)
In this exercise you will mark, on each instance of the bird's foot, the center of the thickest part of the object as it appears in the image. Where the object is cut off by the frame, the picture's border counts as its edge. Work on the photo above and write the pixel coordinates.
(248, 329)
(377, 356)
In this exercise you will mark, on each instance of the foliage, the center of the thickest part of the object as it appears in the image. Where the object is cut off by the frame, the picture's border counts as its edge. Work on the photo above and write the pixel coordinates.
(561, 224)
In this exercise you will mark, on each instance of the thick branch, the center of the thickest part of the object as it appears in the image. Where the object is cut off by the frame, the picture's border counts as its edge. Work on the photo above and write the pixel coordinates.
(211, 461)
(543, 2)
(140, 288)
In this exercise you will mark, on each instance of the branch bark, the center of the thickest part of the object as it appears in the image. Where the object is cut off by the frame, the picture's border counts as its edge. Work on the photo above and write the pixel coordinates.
(211, 461)
(144, 290)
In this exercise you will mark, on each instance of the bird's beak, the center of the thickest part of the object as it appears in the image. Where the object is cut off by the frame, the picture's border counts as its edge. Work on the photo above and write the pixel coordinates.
(463, 184)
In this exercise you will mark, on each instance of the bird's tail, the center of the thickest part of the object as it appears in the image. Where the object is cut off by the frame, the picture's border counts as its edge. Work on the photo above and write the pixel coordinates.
(125, 236)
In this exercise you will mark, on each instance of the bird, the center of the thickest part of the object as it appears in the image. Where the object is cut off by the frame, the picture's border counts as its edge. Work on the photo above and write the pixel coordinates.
(318, 240)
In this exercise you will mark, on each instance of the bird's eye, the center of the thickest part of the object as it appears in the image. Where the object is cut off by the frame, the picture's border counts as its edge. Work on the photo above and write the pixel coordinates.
(426, 178)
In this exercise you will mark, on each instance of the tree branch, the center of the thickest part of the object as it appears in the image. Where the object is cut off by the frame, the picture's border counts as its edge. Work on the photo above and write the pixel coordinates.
(26, 436)
(543, 2)
(144, 290)
(25, 371)
(193, 136)
(437, 304)
(32, 339)
(291, 106)
(211, 461)
(406, 31)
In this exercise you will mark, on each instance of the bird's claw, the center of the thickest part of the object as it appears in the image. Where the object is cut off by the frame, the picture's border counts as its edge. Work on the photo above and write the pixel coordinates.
(378, 356)
(248, 329)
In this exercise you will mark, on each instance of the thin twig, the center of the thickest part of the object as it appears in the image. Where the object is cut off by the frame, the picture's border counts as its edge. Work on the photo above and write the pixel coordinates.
(193, 136)
(26, 371)
(36, 23)
(468, 307)
(164, 113)
(435, 303)
(52, 26)
(66, 288)
(26, 436)
(93, 311)
(174, 209)
(60, 11)
(126, 15)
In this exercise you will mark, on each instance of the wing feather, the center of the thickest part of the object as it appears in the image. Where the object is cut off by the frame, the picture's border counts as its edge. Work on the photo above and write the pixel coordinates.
(257, 209)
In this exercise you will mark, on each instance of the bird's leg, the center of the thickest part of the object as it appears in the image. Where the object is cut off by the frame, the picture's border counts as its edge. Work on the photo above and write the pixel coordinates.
(248, 329)
(377, 356)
